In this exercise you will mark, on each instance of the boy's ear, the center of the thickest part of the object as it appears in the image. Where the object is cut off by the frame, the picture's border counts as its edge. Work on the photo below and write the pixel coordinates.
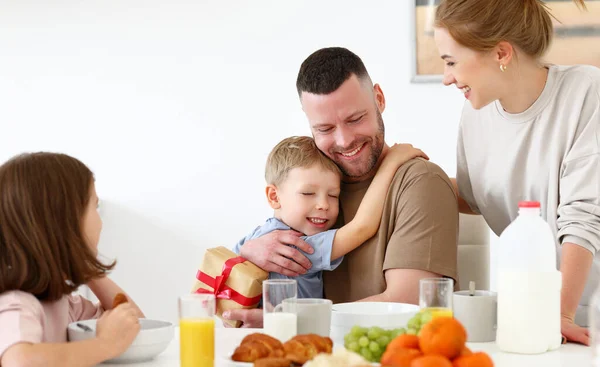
(272, 197)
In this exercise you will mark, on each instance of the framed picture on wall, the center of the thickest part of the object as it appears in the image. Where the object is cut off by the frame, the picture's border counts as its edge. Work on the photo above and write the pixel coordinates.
(576, 40)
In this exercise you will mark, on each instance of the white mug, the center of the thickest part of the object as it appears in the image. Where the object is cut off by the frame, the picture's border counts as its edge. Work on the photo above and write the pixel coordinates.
(477, 313)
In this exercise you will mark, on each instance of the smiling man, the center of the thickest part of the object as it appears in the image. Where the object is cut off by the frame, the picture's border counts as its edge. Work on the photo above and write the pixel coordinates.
(419, 228)
(418, 234)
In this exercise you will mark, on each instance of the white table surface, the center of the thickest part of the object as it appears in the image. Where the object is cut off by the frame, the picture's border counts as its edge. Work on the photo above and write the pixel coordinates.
(226, 340)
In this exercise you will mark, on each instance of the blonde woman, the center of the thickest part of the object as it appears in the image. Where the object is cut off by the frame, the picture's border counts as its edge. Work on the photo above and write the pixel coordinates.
(529, 131)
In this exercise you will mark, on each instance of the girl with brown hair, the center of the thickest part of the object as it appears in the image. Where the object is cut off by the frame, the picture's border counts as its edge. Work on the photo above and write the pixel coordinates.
(49, 233)
(530, 131)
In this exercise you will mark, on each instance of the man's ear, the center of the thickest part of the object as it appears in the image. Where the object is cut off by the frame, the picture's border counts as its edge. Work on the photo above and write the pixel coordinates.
(272, 197)
(379, 97)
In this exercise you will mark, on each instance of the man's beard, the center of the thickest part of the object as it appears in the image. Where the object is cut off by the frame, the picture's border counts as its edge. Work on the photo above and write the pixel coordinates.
(377, 143)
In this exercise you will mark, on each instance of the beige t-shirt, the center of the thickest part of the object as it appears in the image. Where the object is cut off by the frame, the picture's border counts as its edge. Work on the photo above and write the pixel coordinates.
(24, 319)
(418, 230)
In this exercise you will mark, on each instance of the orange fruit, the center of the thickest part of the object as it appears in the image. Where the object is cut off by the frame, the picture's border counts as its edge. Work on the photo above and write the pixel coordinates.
(444, 336)
(431, 361)
(465, 352)
(479, 359)
(400, 357)
(404, 341)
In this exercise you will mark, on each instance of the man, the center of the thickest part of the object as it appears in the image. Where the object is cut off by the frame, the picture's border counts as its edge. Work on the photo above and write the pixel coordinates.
(418, 234)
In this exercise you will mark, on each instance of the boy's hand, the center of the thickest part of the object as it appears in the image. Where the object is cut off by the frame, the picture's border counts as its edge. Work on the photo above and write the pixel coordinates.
(398, 154)
(271, 252)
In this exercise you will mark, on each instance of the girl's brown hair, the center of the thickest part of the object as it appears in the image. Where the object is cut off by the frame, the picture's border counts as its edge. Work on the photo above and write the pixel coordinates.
(481, 24)
(43, 250)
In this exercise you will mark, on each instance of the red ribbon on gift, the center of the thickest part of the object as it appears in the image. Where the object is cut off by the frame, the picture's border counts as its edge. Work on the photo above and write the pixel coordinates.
(223, 291)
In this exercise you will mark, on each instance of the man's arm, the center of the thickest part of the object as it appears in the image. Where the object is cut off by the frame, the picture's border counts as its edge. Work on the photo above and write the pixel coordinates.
(272, 252)
(424, 239)
(402, 286)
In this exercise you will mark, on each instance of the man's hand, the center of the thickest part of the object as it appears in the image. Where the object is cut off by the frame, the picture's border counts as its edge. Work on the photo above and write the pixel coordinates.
(573, 332)
(272, 253)
(250, 318)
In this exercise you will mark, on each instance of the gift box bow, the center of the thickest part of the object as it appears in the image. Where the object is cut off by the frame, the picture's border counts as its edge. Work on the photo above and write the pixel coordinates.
(222, 290)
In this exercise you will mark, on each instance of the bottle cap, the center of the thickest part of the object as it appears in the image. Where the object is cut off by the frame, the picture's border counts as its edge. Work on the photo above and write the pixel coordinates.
(529, 204)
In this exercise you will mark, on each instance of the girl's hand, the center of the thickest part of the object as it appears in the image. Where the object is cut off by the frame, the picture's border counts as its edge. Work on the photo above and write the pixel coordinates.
(118, 328)
(398, 154)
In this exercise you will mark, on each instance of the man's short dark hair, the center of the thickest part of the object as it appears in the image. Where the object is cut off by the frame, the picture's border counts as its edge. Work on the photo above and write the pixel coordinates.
(325, 70)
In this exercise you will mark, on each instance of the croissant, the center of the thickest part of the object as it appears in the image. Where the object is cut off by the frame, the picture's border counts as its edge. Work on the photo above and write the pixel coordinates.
(119, 298)
(256, 346)
(272, 362)
(302, 348)
(266, 351)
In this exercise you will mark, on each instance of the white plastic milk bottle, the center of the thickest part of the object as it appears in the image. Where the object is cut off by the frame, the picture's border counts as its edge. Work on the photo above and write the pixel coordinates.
(528, 285)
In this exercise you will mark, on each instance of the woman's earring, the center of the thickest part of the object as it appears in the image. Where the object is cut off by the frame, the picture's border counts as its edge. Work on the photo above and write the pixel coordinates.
(502, 68)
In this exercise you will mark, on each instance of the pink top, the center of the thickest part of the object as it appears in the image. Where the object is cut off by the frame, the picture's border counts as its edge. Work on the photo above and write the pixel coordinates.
(24, 319)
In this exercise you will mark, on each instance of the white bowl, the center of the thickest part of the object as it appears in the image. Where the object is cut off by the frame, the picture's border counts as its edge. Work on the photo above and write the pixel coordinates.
(387, 315)
(154, 337)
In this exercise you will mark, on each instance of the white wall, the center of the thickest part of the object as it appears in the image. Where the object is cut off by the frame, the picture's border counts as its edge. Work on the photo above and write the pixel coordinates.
(175, 105)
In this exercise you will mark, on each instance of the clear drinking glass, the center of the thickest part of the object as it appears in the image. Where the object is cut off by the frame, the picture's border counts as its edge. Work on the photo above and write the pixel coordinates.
(197, 330)
(280, 308)
(435, 296)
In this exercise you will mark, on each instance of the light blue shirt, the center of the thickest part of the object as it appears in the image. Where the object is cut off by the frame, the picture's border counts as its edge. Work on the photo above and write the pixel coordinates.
(310, 285)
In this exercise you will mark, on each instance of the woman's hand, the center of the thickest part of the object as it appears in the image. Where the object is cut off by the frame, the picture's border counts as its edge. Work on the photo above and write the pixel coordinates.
(573, 332)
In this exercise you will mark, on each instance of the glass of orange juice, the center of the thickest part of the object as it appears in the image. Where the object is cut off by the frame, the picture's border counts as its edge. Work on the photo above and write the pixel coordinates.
(435, 296)
(197, 330)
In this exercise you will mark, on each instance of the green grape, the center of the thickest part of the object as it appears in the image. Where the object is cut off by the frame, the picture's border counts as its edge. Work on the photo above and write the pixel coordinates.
(349, 338)
(426, 317)
(397, 332)
(383, 341)
(363, 341)
(374, 333)
(377, 356)
(414, 322)
(365, 352)
(353, 346)
(411, 331)
(374, 347)
(358, 331)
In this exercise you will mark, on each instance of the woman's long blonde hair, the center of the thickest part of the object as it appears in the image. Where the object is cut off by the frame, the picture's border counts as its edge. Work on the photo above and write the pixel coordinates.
(481, 24)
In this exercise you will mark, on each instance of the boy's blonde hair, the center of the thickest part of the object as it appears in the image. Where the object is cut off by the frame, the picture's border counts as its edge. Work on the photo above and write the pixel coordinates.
(294, 152)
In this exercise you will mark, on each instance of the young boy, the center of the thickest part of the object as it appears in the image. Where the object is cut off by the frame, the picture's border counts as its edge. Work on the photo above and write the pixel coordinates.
(303, 188)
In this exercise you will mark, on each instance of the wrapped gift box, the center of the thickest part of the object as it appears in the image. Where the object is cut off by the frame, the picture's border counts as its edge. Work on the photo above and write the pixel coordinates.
(235, 281)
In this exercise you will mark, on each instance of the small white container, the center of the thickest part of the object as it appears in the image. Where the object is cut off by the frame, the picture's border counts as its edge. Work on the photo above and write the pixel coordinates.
(477, 311)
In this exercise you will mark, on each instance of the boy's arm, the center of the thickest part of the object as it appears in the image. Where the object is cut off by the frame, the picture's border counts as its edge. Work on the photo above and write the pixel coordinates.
(365, 223)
